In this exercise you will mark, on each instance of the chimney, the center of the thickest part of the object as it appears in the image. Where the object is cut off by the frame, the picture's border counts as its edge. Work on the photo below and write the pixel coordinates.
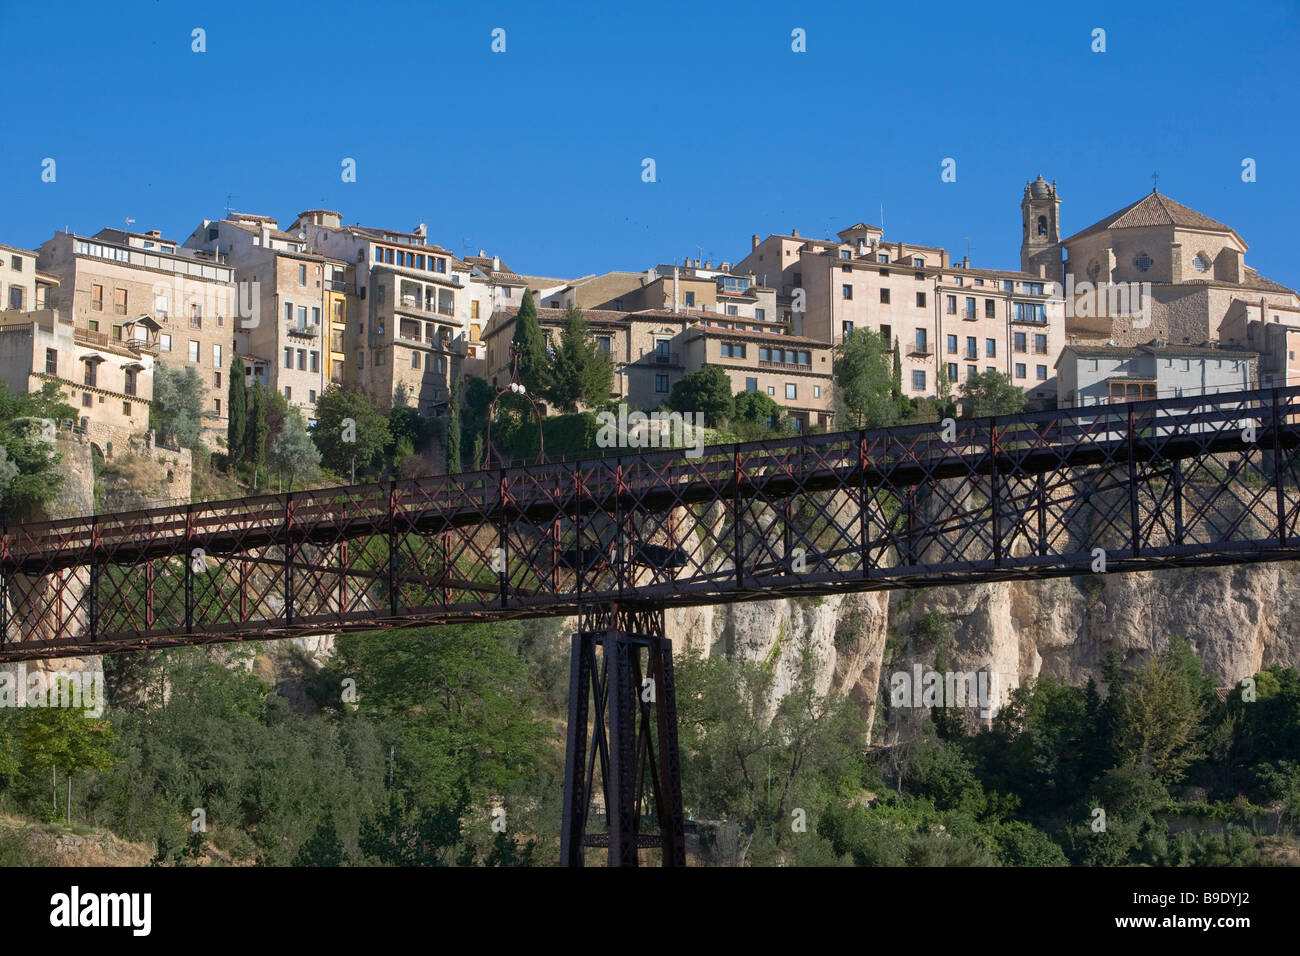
(725, 267)
(421, 230)
(795, 233)
(496, 263)
(754, 241)
(687, 262)
(154, 234)
(697, 263)
(708, 264)
(675, 287)
(965, 262)
(482, 253)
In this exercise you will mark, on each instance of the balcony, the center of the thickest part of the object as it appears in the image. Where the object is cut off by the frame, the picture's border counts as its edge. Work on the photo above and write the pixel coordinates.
(972, 355)
(665, 358)
(920, 350)
(306, 331)
(793, 366)
(338, 285)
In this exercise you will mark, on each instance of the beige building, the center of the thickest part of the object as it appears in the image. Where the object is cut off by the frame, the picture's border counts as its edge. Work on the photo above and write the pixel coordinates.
(300, 304)
(110, 281)
(109, 381)
(23, 288)
(948, 320)
(1157, 269)
(410, 336)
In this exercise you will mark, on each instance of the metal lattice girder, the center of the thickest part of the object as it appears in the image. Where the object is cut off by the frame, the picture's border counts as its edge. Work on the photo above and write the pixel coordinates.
(1190, 481)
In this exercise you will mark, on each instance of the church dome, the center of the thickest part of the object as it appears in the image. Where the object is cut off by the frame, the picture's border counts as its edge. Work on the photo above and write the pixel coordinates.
(1039, 188)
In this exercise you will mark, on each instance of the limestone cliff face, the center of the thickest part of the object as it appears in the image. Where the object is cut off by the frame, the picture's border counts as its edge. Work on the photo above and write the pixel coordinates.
(1237, 619)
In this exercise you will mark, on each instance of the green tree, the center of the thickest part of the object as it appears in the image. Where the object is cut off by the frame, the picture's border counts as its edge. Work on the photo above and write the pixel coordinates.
(453, 429)
(410, 433)
(258, 431)
(176, 413)
(707, 391)
(896, 383)
(864, 380)
(64, 738)
(581, 371)
(1160, 711)
(322, 848)
(758, 409)
(350, 432)
(293, 453)
(534, 360)
(991, 393)
(237, 410)
(29, 472)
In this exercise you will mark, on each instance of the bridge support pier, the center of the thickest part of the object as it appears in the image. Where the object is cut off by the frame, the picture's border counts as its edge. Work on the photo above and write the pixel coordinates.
(622, 721)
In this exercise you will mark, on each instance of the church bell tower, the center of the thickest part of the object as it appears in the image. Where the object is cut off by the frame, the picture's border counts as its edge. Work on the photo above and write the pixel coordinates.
(1040, 236)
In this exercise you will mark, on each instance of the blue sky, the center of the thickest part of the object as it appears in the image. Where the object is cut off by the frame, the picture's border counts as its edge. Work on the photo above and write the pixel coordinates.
(536, 153)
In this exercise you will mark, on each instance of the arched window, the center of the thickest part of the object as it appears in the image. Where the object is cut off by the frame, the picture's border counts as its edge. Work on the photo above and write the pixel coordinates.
(1042, 225)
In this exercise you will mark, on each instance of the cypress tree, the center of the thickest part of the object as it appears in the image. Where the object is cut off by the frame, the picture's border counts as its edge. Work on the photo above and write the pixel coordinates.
(258, 430)
(534, 362)
(237, 409)
(453, 431)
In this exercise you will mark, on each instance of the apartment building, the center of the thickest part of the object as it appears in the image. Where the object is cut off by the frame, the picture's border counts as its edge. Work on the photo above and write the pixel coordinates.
(299, 303)
(1108, 374)
(410, 337)
(23, 287)
(111, 282)
(109, 381)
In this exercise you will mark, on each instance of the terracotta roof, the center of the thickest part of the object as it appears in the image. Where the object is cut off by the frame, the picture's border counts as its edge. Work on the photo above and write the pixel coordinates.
(1153, 209)
(1253, 280)
(26, 252)
(774, 338)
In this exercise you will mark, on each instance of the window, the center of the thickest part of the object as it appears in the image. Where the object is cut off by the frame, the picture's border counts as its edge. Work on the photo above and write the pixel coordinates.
(16, 263)
(733, 350)
(473, 309)
(415, 359)
(1020, 370)
(846, 254)
(315, 315)
(846, 328)
(918, 380)
(817, 391)
(119, 301)
(361, 360)
(302, 317)
(805, 358)
(216, 404)
(760, 314)
(1143, 262)
(51, 361)
(85, 401)
(216, 356)
(970, 307)
(216, 379)
(733, 310)
(302, 275)
(92, 374)
(884, 297)
(952, 345)
(971, 349)
(288, 358)
(920, 300)
(952, 371)
(661, 350)
(194, 352)
(97, 298)
(126, 409)
(164, 342)
(1030, 312)
(1041, 372)
(315, 361)
(1008, 285)
(882, 257)
(922, 345)
(1132, 391)
(661, 383)
(990, 348)
(302, 360)
(1018, 342)
(846, 291)
(288, 394)
(604, 343)
(690, 300)
(1040, 343)
(971, 372)
(791, 390)
(918, 262)
(950, 306)
(1034, 288)
(990, 309)
(751, 385)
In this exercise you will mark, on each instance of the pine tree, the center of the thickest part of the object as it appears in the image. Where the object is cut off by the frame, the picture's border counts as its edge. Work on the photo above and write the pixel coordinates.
(237, 409)
(581, 371)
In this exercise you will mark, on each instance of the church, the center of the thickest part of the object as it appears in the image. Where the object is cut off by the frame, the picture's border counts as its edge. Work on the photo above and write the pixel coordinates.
(1183, 276)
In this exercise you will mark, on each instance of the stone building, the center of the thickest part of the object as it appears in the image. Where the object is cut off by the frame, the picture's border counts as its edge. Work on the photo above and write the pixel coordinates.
(112, 280)
(1108, 374)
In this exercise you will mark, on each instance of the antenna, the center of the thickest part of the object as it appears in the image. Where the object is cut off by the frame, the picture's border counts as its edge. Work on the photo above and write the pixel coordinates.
(229, 196)
(1154, 178)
